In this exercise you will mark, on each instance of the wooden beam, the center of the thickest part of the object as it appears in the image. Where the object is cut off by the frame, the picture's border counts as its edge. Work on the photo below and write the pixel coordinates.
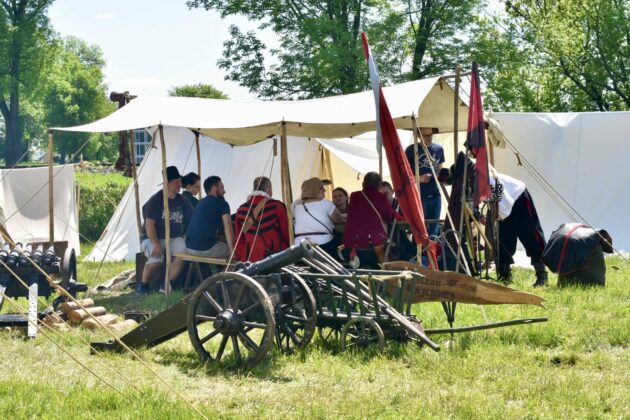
(416, 154)
(197, 148)
(285, 178)
(134, 174)
(51, 203)
(167, 215)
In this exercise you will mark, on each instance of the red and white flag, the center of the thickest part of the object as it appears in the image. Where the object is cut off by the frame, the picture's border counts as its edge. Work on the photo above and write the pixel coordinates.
(476, 139)
(402, 177)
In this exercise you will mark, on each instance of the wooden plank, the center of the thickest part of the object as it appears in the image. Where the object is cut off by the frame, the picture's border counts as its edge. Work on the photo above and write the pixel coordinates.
(437, 286)
(200, 259)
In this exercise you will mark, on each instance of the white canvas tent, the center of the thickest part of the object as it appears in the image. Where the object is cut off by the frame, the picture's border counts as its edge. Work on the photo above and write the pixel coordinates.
(24, 204)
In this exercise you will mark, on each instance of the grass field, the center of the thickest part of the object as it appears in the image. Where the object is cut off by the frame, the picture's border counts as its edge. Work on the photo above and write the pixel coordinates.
(574, 366)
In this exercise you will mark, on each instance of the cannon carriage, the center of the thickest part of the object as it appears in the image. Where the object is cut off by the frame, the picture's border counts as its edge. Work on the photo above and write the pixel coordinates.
(236, 317)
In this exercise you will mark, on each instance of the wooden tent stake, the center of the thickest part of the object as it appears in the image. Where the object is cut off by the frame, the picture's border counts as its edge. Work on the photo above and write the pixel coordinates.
(167, 215)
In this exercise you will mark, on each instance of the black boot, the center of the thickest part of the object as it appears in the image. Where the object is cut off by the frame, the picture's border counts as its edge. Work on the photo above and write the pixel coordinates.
(541, 278)
(504, 273)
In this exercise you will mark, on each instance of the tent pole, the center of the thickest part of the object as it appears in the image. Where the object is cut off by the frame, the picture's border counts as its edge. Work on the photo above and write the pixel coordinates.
(456, 116)
(491, 150)
(198, 159)
(134, 174)
(380, 163)
(51, 211)
(327, 171)
(167, 215)
(416, 154)
(285, 178)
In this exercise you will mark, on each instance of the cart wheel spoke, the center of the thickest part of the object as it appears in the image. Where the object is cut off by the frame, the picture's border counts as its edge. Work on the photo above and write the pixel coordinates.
(224, 294)
(239, 296)
(254, 324)
(224, 341)
(247, 341)
(209, 336)
(296, 318)
(250, 308)
(205, 317)
(213, 302)
(237, 351)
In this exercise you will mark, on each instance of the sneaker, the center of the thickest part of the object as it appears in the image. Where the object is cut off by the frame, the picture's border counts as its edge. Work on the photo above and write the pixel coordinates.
(142, 289)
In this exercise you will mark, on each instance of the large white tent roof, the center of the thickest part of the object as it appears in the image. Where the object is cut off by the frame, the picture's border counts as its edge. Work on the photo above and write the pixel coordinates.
(241, 123)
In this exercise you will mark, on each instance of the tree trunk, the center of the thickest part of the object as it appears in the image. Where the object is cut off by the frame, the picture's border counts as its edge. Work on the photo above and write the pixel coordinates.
(422, 41)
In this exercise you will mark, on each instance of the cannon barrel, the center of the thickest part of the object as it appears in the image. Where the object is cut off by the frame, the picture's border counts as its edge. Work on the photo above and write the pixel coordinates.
(275, 262)
(14, 255)
(4, 252)
(38, 255)
(24, 260)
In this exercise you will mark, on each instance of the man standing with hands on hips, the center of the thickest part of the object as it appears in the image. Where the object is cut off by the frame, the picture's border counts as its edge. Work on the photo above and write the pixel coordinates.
(429, 189)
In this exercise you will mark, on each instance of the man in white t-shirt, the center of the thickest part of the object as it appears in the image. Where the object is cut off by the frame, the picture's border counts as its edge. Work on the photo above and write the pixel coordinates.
(518, 219)
(315, 216)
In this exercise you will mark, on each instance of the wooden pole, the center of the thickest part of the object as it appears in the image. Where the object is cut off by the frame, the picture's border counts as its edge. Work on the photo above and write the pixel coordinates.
(416, 154)
(380, 162)
(285, 178)
(456, 116)
(134, 174)
(491, 150)
(167, 215)
(198, 160)
(327, 171)
(51, 203)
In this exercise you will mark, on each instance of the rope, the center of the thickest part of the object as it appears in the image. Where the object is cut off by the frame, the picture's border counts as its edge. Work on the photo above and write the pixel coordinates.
(44, 303)
(25, 314)
(65, 293)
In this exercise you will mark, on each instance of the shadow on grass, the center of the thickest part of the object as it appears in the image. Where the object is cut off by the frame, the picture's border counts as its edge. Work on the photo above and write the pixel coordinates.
(153, 303)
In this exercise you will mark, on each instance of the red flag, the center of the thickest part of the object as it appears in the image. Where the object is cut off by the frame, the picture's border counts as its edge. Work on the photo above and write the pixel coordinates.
(476, 140)
(402, 177)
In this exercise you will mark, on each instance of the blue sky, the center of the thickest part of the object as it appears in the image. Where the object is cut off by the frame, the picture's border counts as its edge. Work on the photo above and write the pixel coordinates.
(151, 46)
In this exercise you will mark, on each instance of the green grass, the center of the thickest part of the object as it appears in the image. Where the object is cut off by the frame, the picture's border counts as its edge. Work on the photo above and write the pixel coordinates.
(85, 178)
(574, 366)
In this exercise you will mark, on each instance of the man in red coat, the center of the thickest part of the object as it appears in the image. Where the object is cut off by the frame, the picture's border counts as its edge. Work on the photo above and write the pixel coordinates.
(260, 226)
(369, 212)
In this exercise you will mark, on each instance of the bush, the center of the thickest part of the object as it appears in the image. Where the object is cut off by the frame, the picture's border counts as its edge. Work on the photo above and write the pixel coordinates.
(101, 192)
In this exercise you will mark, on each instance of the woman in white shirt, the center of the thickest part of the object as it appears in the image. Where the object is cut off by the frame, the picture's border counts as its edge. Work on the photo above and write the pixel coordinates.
(315, 216)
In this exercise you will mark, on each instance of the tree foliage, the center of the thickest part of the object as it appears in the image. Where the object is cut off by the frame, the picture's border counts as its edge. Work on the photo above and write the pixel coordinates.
(76, 94)
(558, 55)
(25, 37)
(198, 90)
(320, 52)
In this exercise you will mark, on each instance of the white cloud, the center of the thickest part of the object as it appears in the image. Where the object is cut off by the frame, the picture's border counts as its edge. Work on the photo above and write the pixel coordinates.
(109, 15)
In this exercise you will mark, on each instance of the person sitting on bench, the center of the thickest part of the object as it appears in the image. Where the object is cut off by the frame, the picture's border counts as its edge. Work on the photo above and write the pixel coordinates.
(212, 213)
(368, 214)
(261, 225)
(153, 232)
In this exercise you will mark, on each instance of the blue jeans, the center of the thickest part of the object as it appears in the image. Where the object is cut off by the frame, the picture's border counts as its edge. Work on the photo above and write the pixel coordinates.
(432, 207)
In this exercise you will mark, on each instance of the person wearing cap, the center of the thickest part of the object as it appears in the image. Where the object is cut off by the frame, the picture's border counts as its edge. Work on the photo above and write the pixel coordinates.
(261, 226)
(315, 216)
(429, 189)
(191, 183)
(153, 232)
(211, 215)
(369, 213)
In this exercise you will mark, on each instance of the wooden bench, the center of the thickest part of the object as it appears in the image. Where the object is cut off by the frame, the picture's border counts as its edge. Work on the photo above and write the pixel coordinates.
(195, 260)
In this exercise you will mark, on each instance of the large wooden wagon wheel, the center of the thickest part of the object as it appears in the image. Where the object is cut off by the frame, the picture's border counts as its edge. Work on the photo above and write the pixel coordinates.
(230, 318)
(361, 332)
(296, 315)
(68, 268)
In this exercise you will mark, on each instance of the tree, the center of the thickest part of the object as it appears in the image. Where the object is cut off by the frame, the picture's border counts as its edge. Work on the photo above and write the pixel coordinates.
(198, 90)
(559, 55)
(76, 94)
(24, 40)
(439, 33)
(320, 49)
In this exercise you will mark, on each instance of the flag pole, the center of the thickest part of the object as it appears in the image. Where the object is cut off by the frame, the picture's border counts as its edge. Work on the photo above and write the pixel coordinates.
(456, 116)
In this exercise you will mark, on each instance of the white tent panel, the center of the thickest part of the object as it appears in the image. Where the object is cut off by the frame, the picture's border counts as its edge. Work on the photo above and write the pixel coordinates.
(24, 200)
(241, 123)
(583, 156)
(237, 167)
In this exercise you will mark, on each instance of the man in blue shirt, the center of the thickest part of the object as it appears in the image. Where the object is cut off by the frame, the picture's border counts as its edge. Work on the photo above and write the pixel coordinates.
(429, 189)
(212, 213)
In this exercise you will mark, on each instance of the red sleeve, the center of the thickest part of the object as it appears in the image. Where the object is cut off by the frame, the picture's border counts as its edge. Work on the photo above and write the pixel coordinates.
(389, 214)
(238, 223)
(283, 222)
